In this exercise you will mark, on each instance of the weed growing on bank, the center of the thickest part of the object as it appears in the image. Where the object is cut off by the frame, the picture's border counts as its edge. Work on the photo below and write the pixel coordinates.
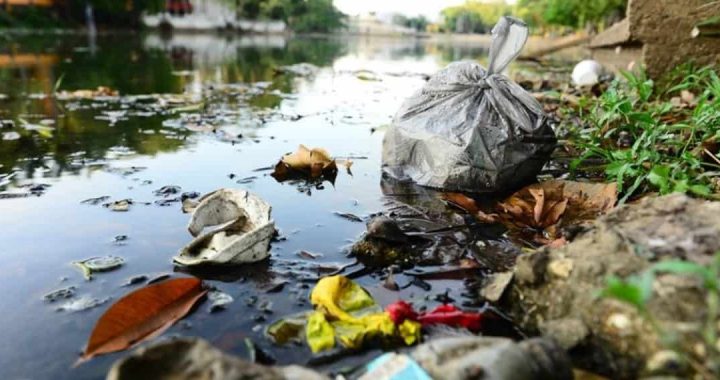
(649, 137)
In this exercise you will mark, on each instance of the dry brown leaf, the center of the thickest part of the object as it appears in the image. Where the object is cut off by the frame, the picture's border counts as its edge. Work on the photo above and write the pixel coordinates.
(469, 205)
(539, 196)
(545, 206)
(487, 218)
(552, 214)
(587, 201)
(346, 162)
(142, 315)
(310, 162)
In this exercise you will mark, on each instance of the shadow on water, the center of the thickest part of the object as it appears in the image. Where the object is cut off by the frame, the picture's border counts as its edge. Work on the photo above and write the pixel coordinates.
(202, 112)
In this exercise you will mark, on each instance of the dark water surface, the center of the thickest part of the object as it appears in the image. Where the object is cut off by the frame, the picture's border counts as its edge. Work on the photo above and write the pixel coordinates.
(83, 151)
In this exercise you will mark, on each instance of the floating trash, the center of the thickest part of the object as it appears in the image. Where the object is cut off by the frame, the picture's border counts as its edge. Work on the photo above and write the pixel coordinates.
(218, 300)
(167, 191)
(135, 280)
(99, 264)
(243, 237)
(81, 304)
(95, 201)
(60, 294)
(119, 206)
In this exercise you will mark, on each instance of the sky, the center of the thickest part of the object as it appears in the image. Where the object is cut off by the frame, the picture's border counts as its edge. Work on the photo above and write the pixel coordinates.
(429, 8)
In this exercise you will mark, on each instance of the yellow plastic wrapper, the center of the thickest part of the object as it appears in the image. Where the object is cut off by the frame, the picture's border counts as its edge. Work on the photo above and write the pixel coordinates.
(344, 310)
(320, 334)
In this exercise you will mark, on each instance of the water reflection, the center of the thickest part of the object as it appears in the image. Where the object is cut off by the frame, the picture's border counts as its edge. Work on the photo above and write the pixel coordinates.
(198, 112)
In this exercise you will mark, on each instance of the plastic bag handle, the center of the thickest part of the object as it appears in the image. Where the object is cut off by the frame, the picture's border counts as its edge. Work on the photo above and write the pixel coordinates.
(508, 38)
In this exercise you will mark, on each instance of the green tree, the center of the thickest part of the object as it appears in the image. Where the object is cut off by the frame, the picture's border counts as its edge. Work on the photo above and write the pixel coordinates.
(300, 15)
(419, 23)
(473, 16)
(569, 13)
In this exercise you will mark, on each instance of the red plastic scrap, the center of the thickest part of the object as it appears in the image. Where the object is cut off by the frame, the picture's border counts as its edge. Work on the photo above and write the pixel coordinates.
(442, 315)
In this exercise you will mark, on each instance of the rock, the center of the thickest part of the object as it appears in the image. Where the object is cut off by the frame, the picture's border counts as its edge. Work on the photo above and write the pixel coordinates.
(95, 201)
(168, 190)
(665, 28)
(560, 268)
(555, 290)
(188, 206)
(668, 32)
(139, 279)
(587, 73)
(120, 206)
(386, 229)
(489, 358)
(567, 332)
(243, 237)
(496, 285)
(193, 358)
(530, 268)
(665, 362)
(617, 34)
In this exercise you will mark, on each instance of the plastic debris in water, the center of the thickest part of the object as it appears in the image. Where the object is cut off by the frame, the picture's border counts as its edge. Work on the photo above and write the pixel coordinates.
(344, 312)
(218, 300)
(392, 366)
(83, 303)
(60, 294)
(442, 315)
(119, 206)
(244, 232)
(472, 129)
(99, 264)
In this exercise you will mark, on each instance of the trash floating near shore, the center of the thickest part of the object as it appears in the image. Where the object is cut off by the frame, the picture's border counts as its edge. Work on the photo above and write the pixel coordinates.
(244, 232)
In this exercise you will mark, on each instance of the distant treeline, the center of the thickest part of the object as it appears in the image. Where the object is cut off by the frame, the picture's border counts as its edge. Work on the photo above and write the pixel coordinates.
(542, 15)
(300, 15)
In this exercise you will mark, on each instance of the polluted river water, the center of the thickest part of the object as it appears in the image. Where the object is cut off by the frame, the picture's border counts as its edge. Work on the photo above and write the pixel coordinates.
(59, 156)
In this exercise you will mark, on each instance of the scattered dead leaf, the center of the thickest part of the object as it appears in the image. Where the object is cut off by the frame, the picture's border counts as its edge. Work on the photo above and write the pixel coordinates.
(469, 205)
(87, 94)
(312, 163)
(547, 206)
(142, 315)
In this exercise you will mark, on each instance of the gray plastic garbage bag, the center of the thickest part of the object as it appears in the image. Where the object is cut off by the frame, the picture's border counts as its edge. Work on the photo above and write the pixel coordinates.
(470, 129)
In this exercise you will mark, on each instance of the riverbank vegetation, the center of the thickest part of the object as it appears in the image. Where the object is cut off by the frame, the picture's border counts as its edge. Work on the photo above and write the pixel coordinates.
(542, 15)
(649, 137)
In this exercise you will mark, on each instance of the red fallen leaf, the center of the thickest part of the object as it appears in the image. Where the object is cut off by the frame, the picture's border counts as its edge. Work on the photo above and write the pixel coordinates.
(442, 315)
(462, 201)
(142, 315)
(469, 205)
